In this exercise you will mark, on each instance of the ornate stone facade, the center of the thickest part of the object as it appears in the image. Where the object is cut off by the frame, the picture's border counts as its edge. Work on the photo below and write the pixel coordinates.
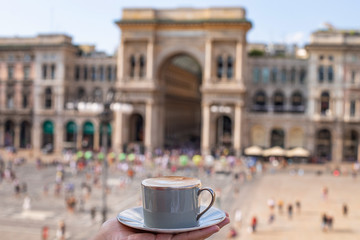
(182, 77)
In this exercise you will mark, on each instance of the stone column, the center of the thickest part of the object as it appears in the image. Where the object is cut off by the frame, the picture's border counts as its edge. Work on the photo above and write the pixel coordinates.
(310, 139)
(150, 60)
(120, 62)
(58, 136)
(79, 136)
(37, 135)
(239, 62)
(237, 129)
(207, 70)
(337, 145)
(118, 130)
(205, 137)
(148, 125)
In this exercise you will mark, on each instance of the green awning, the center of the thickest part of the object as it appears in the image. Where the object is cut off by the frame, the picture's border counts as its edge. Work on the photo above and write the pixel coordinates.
(88, 128)
(71, 127)
(48, 127)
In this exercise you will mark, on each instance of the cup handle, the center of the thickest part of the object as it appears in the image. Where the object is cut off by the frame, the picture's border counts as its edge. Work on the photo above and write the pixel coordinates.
(211, 203)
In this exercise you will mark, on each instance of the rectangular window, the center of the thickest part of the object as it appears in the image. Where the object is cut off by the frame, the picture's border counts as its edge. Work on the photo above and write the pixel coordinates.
(274, 75)
(77, 73)
(352, 108)
(321, 74)
(283, 76)
(26, 72)
(302, 76)
(10, 101)
(330, 74)
(265, 75)
(256, 75)
(353, 75)
(101, 73)
(25, 101)
(52, 71)
(115, 73)
(293, 75)
(10, 72)
(93, 73)
(109, 73)
(85, 73)
(44, 71)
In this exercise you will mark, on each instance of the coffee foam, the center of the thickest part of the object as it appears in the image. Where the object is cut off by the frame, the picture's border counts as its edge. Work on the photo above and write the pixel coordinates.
(171, 182)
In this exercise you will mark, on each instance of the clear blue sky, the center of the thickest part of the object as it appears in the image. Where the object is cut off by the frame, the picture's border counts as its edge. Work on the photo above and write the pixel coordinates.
(92, 21)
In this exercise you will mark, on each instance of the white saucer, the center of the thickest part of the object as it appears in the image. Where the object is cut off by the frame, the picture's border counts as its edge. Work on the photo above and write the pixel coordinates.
(134, 218)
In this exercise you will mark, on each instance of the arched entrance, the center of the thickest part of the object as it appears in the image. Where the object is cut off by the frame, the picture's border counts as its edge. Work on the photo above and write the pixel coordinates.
(25, 134)
(88, 136)
(277, 138)
(181, 77)
(351, 142)
(9, 133)
(323, 144)
(71, 134)
(136, 128)
(48, 137)
(224, 132)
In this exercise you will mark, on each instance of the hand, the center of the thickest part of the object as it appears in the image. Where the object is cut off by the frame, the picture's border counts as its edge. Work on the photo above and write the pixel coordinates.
(113, 230)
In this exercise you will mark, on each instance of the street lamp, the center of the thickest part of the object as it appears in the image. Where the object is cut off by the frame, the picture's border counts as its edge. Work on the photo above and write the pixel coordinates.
(105, 118)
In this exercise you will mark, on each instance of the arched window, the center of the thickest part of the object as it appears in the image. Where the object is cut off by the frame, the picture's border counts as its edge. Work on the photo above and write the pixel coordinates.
(71, 132)
(132, 66)
(260, 101)
(324, 103)
(321, 73)
(142, 66)
(105, 128)
(48, 98)
(230, 71)
(220, 67)
(297, 102)
(277, 138)
(279, 101)
(88, 135)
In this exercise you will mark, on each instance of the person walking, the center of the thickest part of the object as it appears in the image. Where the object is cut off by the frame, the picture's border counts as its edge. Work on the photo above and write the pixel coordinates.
(324, 222)
(254, 222)
(298, 206)
(345, 210)
(45, 233)
(290, 211)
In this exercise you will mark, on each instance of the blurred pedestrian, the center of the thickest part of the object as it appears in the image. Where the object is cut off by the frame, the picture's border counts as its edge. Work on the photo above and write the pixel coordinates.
(93, 213)
(27, 203)
(271, 218)
(60, 232)
(325, 193)
(280, 206)
(254, 223)
(238, 218)
(45, 232)
(324, 222)
(232, 233)
(298, 206)
(290, 211)
(345, 209)
(271, 203)
(330, 221)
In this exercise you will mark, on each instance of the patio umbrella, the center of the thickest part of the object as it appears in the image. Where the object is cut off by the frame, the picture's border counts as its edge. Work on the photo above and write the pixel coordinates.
(274, 151)
(88, 155)
(184, 159)
(122, 157)
(196, 159)
(253, 151)
(298, 152)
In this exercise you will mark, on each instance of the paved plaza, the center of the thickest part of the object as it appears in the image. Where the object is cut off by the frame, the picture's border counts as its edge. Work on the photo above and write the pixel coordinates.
(251, 199)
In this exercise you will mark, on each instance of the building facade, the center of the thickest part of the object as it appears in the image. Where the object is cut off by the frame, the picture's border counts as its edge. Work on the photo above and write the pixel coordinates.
(182, 78)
